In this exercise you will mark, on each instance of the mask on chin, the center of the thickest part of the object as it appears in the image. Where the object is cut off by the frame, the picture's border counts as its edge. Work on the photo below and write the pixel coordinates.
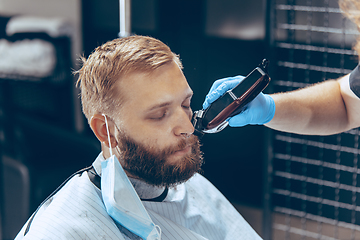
(121, 200)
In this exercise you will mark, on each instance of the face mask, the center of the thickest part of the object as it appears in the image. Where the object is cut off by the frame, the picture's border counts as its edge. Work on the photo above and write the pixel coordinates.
(122, 202)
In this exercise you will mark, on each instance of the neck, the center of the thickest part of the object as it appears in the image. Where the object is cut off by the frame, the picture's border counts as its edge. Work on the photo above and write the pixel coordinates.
(145, 190)
(105, 150)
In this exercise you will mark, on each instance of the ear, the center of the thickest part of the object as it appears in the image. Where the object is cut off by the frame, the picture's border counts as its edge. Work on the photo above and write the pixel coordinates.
(98, 126)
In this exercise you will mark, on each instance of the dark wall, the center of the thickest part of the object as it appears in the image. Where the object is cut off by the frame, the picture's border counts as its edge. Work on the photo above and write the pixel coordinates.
(233, 158)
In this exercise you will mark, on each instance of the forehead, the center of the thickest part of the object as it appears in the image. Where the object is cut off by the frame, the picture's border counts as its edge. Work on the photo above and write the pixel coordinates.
(165, 84)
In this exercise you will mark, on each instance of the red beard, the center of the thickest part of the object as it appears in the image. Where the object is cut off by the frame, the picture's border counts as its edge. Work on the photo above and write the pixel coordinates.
(153, 167)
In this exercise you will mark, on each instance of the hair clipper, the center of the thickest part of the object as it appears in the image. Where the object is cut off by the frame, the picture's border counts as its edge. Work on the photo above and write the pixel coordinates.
(234, 101)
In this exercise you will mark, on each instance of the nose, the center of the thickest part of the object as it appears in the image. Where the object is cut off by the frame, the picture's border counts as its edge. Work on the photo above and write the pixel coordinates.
(183, 125)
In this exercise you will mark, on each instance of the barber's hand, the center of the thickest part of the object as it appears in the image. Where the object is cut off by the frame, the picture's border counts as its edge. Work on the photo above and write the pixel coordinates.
(259, 111)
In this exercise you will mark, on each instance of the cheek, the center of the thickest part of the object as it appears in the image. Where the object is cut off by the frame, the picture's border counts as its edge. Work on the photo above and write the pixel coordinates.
(156, 135)
(150, 136)
(158, 140)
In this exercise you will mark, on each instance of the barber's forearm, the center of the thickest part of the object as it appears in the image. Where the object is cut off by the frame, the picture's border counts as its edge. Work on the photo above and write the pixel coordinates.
(352, 103)
(315, 110)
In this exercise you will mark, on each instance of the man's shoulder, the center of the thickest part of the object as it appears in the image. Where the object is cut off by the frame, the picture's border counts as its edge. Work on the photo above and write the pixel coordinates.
(199, 179)
(200, 185)
(75, 212)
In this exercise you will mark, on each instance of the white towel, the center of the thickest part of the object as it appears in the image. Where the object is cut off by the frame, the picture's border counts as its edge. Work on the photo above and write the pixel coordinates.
(32, 58)
(54, 27)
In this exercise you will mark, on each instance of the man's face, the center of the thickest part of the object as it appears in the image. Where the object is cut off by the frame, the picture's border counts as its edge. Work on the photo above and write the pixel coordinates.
(155, 141)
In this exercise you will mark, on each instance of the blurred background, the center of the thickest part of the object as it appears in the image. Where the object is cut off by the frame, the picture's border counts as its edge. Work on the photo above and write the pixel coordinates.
(287, 186)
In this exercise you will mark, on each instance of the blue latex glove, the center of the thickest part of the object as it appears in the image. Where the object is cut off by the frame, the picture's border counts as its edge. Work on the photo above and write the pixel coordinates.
(259, 111)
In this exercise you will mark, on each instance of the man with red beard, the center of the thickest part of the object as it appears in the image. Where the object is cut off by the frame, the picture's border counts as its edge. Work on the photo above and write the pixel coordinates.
(137, 102)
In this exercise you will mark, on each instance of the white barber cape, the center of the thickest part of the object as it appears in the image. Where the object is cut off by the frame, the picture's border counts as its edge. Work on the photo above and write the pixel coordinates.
(192, 210)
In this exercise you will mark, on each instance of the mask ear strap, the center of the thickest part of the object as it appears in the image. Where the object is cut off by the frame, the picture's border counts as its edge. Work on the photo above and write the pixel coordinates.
(108, 133)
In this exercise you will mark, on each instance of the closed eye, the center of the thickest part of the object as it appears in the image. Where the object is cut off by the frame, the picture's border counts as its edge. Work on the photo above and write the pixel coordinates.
(159, 115)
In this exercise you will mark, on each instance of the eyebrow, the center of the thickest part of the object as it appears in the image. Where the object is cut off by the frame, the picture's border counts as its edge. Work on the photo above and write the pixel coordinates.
(161, 105)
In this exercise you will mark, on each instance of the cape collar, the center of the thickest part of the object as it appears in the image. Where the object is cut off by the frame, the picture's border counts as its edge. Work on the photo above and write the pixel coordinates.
(146, 192)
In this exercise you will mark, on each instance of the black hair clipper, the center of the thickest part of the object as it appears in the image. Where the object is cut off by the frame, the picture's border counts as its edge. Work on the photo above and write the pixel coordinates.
(213, 119)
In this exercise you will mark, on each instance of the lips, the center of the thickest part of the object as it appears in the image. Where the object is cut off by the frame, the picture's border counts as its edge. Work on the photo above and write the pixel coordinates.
(184, 147)
(183, 150)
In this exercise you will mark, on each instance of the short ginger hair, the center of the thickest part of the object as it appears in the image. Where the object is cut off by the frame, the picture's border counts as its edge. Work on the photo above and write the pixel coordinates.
(351, 9)
(112, 62)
